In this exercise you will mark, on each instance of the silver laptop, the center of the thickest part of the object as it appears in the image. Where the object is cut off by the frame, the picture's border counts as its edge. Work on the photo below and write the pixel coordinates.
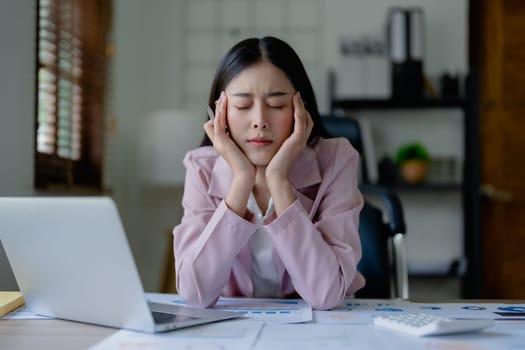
(71, 259)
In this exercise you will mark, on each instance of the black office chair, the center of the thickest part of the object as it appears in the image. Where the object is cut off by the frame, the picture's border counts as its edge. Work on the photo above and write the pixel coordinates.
(384, 262)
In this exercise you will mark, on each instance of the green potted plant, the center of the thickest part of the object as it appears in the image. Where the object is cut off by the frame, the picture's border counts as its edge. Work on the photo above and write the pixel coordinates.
(412, 160)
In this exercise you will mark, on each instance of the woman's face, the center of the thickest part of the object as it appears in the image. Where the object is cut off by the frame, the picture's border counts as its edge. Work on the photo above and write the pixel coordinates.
(260, 111)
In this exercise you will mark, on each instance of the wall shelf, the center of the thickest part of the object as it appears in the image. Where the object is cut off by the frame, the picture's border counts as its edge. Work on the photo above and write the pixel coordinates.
(444, 116)
(356, 104)
(423, 187)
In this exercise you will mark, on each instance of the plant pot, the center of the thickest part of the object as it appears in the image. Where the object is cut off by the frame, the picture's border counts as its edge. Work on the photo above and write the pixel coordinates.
(414, 171)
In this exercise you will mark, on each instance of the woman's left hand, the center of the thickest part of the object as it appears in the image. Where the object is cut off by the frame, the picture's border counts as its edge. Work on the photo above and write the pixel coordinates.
(279, 167)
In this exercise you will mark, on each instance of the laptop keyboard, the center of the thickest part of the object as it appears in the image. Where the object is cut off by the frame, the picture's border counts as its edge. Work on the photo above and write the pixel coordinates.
(162, 317)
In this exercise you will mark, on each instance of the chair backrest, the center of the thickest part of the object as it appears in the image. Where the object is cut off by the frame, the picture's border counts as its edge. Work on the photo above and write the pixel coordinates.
(384, 259)
(374, 264)
(348, 128)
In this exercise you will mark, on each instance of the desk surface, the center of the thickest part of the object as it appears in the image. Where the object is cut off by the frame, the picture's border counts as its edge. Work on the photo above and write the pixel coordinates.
(50, 334)
(60, 334)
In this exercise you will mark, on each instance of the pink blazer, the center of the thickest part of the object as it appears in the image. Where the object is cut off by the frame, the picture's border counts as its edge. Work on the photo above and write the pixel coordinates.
(316, 244)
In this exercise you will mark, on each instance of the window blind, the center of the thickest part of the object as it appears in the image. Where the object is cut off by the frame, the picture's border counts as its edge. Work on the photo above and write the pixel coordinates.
(71, 84)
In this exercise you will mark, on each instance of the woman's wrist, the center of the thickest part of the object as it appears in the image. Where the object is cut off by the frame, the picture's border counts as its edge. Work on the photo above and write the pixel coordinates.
(237, 197)
(283, 194)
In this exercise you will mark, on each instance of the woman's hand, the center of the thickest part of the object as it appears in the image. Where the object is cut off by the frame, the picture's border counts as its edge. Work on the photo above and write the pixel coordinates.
(243, 171)
(278, 170)
(282, 162)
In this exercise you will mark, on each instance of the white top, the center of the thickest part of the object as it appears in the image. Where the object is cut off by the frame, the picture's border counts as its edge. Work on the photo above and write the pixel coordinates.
(264, 275)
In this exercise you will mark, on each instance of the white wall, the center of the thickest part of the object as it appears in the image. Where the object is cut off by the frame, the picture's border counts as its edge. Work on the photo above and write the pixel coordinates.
(17, 69)
(147, 78)
(446, 23)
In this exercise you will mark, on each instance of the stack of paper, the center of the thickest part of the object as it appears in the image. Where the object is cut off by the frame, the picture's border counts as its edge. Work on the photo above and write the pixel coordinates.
(10, 301)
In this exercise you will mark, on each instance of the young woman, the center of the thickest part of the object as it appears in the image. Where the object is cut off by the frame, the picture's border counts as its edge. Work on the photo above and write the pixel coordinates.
(271, 209)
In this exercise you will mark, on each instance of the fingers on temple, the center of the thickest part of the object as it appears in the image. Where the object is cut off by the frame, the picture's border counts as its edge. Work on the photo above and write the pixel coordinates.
(221, 106)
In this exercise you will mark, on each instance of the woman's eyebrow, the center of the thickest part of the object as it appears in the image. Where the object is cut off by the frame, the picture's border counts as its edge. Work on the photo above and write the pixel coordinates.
(277, 94)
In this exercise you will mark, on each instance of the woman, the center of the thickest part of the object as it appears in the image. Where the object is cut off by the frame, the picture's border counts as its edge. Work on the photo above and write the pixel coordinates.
(272, 208)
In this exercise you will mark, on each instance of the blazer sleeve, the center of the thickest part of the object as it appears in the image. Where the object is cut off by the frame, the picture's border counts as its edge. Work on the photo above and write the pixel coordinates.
(321, 253)
(207, 240)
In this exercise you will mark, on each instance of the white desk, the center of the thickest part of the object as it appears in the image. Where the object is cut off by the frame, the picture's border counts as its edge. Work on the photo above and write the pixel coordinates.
(50, 334)
(327, 332)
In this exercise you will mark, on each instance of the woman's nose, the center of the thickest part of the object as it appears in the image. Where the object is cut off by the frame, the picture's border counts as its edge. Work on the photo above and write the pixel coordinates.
(259, 119)
(262, 125)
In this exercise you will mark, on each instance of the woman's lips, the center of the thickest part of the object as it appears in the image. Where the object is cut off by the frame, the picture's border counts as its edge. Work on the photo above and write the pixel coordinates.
(260, 142)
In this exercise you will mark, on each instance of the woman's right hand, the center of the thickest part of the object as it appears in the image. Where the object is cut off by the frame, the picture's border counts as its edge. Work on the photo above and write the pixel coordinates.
(243, 171)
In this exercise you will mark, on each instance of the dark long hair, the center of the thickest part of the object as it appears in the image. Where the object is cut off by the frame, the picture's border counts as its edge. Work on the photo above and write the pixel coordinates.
(254, 50)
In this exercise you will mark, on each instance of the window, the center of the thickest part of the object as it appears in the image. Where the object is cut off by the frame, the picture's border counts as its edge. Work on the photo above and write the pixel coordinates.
(73, 55)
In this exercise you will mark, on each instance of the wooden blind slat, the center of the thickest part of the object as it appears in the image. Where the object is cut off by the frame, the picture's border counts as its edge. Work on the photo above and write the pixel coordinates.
(72, 36)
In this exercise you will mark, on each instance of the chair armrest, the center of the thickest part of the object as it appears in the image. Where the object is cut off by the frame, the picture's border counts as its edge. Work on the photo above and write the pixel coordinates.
(396, 229)
(401, 266)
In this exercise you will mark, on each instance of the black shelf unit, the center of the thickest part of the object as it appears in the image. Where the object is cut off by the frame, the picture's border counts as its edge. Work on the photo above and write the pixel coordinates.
(384, 104)
(469, 213)
(428, 103)
(425, 187)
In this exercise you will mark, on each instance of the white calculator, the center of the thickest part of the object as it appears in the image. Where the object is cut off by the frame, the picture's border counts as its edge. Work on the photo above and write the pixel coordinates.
(425, 324)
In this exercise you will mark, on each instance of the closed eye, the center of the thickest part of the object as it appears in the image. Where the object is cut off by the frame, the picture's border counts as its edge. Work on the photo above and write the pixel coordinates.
(242, 107)
(277, 107)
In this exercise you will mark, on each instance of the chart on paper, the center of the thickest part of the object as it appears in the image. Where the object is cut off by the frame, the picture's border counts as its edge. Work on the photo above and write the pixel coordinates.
(265, 310)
